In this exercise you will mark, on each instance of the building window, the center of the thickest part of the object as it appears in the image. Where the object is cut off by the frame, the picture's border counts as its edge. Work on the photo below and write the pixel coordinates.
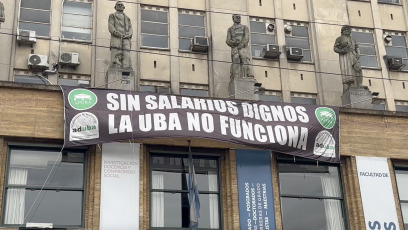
(297, 36)
(397, 48)
(39, 80)
(269, 95)
(310, 192)
(194, 90)
(401, 106)
(191, 24)
(402, 184)
(169, 190)
(389, 1)
(302, 98)
(262, 33)
(365, 41)
(77, 21)
(379, 104)
(44, 186)
(35, 15)
(155, 27)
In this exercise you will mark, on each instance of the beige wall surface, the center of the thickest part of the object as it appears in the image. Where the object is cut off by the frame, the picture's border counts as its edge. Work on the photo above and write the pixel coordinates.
(360, 14)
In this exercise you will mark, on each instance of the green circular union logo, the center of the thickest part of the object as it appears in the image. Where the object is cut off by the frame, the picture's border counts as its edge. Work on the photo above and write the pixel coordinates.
(326, 117)
(82, 99)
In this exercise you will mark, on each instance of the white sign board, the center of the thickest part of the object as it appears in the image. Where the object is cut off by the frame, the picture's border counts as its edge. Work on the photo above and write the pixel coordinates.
(120, 186)
(376, 193)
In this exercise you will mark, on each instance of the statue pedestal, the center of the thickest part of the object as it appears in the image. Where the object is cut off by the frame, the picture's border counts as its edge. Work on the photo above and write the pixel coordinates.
(242, 88)
(357, 98)
(118, 78)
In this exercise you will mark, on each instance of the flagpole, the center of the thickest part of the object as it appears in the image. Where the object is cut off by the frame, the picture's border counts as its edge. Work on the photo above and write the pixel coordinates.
(193, 195)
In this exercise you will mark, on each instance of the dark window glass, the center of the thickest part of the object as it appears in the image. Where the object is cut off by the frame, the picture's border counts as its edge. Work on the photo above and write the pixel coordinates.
(260, 38)
(78, 8)
(190, 25)
(40, 29)
(311, 196)
(155, 41)
(398, 41)
(154, 29)
(378, 106)
(44, 186)
(275, 98)
(77, 21)
(297, 42)
(303, 100)
(368, 61)
(36, 4)
(194, 92)
(389, 1)
(30, 80)
(362, 37)
(169, 191)
(147, 88)
(368, 54)
(154, 16)
(35, 15)
(402, 108)
(258, 27)
(311, 214)
(263, 39)
(62, 208)
(300, 31)
(401, 175)
(396, 52)
(190, 32)
(191, 20)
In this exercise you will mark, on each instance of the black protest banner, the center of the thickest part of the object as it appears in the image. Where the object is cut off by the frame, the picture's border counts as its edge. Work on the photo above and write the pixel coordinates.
(94, 116)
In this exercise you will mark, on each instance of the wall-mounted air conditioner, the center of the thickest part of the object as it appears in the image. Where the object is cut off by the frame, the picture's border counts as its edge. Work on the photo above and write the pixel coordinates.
(26, 37)
(69, 58)
(294, 53)
(395, 63)
(199, 44)
(37, 61)
(271, 51)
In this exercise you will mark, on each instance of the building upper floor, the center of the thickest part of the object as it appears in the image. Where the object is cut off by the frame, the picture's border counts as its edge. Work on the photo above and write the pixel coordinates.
(179, 46)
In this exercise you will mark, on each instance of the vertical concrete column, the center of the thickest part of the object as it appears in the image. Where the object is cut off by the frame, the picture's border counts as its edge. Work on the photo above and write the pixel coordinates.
(55, 35)
(174, 47)
(378, 34)
(8, 41)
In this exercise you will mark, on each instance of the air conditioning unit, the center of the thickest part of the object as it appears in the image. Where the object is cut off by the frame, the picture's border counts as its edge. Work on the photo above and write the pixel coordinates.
(395, 63)
(271, 52)
(199, 44)
(69, 58)
(37, 61)
(26, 37)
(294, 53)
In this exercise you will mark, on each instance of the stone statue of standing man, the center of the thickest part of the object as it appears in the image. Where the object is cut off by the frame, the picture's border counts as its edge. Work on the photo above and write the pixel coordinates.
(349, 56)
(120, 28)
(2, 15)
(238, 38)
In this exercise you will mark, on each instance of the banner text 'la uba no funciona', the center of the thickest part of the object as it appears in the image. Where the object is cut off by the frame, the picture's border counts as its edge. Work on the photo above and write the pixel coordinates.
(94, 116)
